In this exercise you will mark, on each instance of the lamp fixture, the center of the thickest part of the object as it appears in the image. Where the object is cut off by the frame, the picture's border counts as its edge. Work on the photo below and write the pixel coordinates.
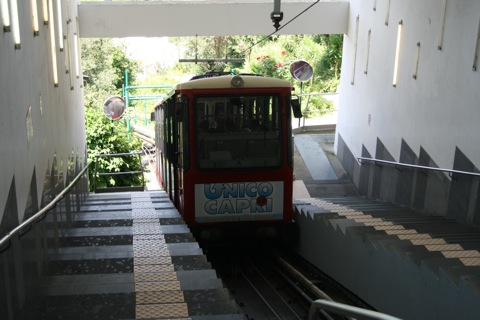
(36, 30)
(45, 11)
(397, 53)
(5, 15)
(53, 47)
(236, 81)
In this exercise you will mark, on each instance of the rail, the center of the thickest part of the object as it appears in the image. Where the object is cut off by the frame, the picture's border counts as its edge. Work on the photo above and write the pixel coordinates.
(307, 110)
(401, 164)
(346, 310)
(113, 173)
(44, 210)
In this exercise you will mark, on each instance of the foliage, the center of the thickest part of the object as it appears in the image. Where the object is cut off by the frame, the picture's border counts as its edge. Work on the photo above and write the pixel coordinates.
(328, 68)
(214, 48)
(316, 106)
(274, 56)
(109, 137)
(269, 66)
(104, 64)
(270, 56)
(121, 63)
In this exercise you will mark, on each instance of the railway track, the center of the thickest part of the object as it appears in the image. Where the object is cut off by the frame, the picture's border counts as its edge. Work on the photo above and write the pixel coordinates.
(270, 283)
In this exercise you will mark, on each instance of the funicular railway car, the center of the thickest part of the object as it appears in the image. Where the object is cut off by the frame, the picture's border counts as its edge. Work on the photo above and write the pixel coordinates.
(225, 151)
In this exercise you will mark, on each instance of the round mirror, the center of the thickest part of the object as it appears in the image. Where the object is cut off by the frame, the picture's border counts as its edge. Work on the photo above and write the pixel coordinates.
(114, 107)
(301, 70)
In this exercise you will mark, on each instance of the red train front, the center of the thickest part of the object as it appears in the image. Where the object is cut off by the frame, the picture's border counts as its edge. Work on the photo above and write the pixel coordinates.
(225, 151)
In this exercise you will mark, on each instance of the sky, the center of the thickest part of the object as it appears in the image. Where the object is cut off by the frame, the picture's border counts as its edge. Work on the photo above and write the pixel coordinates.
(152, 50)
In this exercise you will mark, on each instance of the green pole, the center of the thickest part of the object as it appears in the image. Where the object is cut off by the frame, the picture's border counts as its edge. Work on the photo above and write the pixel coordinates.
(126, 88)
(145, 113)
(126, 98)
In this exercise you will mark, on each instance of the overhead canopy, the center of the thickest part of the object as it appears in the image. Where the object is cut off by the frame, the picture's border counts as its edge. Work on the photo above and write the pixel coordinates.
(207, 18)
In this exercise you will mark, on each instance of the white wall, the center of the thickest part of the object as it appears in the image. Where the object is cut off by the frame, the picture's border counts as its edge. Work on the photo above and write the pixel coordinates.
(206, 18)
(440, 110)
(57, 115)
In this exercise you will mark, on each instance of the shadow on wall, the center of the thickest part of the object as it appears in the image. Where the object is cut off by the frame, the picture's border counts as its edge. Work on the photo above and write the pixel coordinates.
(24, 257)
(456, 196)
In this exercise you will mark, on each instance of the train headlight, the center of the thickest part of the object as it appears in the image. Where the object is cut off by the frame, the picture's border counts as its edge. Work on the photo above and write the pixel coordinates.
(237, 81)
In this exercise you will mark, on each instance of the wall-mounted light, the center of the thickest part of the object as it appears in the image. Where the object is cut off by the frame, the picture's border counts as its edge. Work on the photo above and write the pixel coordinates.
(45, 11)
(477, 49)
(76, 55)
(387, 13)
(442, 25)
(415, 64)
(68, 57)
(60, 25)
(368, 51)
(5, 15)
(397, 53)
(36, 29)
(357, 23)
(53, 48)
(15, 23)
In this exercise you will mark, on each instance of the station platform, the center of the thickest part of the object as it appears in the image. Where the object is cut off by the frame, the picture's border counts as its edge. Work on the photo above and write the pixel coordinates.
(129, 256)
(401, 262)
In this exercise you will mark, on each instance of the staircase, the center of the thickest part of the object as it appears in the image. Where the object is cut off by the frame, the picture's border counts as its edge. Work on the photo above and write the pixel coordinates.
(127, 256)
(401, 262)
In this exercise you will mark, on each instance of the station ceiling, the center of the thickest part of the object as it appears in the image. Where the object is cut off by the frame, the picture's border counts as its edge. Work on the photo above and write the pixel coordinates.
(209, 18)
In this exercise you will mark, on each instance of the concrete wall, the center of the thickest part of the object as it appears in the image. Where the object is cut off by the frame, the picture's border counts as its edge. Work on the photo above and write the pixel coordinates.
(430, 117)
(42, 131)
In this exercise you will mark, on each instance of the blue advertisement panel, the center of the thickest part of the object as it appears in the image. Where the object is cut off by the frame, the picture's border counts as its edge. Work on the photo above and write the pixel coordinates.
(239, 201)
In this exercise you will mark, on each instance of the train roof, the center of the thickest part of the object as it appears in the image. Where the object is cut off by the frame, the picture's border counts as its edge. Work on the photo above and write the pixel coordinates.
(225, 82)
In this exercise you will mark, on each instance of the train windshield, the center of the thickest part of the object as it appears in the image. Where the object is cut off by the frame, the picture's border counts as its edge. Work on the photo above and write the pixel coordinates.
(238, 131)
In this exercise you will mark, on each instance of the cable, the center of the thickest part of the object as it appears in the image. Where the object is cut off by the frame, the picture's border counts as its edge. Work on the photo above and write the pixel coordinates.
(280, 28)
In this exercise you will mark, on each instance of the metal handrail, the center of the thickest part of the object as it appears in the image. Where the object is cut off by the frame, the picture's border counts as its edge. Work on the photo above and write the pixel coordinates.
(306, 110)
(45, 209)
(360, 159)
(119, 154)
(346, 310)
(110, 189)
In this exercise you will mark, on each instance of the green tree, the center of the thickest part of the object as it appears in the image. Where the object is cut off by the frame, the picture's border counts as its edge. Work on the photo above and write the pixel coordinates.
(272, 56)
(120, 63)
(110, 137)
(104, 64)
(217, 47)
(328, 67)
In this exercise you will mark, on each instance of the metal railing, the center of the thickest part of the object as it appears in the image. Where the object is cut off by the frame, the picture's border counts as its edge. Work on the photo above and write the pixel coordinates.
(308, 111)
(345, 310)
(25, 251)
(401, 164)
(113, 173)
(40, 214)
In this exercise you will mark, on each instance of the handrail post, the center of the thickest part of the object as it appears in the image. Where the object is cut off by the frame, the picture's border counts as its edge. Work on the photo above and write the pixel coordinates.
(142, 169)
(112, 173)
(95, 175)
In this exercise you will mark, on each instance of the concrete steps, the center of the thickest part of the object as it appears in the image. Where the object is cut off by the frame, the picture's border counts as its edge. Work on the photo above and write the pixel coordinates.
(128, 256)
(385, 253)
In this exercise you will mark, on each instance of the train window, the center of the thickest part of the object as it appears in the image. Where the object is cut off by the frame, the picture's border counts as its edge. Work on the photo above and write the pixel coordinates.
(238, 131)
